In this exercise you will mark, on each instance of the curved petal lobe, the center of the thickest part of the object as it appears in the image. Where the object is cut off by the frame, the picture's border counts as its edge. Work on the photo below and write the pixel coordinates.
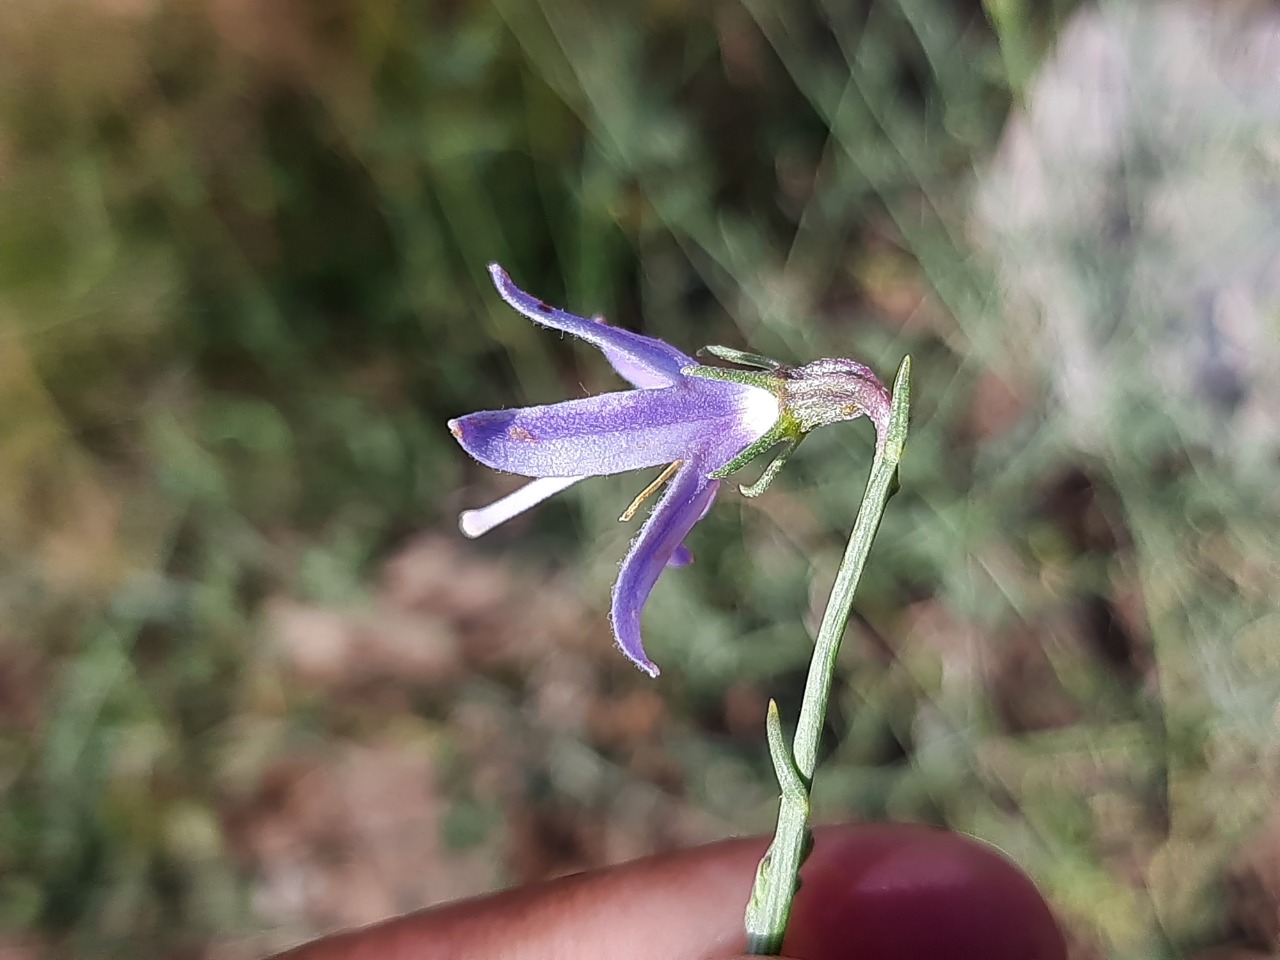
(616, 432)
(687, 498)
(643, 361)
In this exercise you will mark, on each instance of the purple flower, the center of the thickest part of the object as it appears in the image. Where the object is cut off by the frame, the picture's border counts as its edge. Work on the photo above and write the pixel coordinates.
(700, 422)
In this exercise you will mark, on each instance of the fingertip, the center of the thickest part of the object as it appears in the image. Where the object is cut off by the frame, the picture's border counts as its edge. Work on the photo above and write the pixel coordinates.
(913, 892)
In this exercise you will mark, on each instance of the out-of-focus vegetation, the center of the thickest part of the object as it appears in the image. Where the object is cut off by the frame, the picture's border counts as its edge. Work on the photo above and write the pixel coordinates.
(253, 686)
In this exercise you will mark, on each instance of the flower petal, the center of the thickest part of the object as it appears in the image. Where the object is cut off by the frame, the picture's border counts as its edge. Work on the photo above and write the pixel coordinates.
(643, 361)
(682, 557)
(687, 498)
(475, 523)
(632, 371)
(614, 432)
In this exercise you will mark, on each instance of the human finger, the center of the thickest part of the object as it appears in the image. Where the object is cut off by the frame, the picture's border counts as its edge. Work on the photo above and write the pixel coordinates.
(686, 904)
(875, 892)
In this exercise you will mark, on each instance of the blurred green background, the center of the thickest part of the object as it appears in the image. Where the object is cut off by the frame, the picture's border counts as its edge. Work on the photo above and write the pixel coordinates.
(253, 684)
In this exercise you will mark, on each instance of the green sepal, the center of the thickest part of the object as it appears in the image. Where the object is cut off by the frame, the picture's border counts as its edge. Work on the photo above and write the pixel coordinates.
(771, 471)
(786, 430)
(749, 377)
(740, 357)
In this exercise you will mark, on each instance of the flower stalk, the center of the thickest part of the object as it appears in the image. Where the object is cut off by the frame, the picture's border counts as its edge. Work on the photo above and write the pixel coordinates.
(777, 877)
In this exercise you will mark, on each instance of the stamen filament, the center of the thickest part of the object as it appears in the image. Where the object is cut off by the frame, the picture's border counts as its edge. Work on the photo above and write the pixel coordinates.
(473, 523)
(649, 491)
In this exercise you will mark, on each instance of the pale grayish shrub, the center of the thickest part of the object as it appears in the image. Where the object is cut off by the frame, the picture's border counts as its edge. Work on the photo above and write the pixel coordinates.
(1133, 214)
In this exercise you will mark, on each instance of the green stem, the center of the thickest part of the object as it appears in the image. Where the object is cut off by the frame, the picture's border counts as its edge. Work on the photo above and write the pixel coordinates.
(778, 875)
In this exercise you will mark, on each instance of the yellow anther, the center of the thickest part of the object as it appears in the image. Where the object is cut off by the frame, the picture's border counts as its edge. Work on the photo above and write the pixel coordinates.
(648, 492)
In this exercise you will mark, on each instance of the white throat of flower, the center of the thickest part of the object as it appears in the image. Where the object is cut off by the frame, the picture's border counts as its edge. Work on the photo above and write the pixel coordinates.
(760, 409)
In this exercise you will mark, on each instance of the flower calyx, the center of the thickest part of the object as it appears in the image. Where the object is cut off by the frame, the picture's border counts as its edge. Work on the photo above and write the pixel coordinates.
(814, 395)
